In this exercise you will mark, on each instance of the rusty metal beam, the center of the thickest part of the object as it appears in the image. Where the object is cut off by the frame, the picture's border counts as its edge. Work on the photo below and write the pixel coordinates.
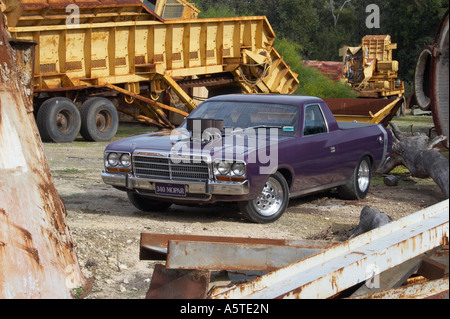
(144, 99)
(154, 246)
(354, 261)
(435, 289)
(232, 256)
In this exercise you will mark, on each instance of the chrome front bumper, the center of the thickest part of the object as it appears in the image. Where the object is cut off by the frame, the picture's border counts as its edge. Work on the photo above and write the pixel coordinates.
(148, 185)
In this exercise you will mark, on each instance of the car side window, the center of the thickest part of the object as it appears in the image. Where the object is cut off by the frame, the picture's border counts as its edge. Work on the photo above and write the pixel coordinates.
(314, 122)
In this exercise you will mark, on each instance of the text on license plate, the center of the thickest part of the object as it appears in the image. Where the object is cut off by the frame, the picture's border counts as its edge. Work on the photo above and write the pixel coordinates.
(170, 189)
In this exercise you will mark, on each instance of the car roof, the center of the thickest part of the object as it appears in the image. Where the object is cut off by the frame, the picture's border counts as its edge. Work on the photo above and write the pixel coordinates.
(268, 98)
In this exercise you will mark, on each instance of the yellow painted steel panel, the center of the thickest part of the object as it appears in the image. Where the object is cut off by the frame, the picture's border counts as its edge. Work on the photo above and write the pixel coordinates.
(118, 51)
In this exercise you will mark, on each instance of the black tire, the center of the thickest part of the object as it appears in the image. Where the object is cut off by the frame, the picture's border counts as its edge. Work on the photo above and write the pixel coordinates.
(58, 120)
(358, 185)
(146, 204)
(99, 120)
(270, 204)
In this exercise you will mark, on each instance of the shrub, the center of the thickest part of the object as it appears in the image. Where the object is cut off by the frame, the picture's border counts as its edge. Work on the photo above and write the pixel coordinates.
(312, 81)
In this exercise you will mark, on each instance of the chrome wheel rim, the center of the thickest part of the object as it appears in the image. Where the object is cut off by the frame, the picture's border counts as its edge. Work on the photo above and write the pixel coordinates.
(270, 200)
(363, 176)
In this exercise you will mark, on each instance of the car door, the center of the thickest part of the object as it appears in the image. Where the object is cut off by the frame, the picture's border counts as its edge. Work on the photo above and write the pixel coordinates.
(316, 153)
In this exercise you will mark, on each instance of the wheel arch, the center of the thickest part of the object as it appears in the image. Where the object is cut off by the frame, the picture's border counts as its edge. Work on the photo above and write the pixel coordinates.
(287, 174)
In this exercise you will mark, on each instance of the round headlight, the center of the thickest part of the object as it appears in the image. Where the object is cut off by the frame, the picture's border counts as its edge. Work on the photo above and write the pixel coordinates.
(238, 169)
(223, 168)
(125, 160)
(113, 159)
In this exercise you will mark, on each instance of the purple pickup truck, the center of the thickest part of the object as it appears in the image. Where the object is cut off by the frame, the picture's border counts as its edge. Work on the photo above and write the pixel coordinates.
(256, 150)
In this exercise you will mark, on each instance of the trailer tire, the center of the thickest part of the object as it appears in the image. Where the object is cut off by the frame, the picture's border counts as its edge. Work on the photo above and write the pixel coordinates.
(58, 120)
(99, 119)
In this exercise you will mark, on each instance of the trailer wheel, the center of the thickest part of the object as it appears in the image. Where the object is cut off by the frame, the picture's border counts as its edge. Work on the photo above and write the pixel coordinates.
(358, 185)
(58, 120)
(99, 120)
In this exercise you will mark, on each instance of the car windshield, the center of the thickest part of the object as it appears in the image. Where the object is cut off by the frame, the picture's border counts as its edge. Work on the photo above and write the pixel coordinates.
(244, 115)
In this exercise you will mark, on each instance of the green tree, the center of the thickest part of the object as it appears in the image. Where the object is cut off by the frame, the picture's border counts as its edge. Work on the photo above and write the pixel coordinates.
(322, 27)
(412, 25)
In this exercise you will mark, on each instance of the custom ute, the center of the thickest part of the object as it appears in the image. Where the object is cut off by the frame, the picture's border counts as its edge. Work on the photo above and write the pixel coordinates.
(256, 150)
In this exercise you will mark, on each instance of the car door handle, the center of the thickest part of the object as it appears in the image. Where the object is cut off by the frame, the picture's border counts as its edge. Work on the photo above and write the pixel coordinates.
(333, 149)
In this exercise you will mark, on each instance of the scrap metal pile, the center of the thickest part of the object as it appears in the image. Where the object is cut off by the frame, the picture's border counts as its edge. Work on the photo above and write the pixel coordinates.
(407, 258)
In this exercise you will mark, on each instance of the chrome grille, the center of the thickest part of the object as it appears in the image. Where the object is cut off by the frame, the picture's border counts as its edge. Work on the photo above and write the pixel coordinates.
(164, 168)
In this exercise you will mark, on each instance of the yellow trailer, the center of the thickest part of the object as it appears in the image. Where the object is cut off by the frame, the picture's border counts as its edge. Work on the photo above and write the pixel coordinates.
(106, 54)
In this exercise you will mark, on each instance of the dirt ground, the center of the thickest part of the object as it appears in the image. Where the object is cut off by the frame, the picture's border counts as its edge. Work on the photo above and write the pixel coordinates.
(106, 228)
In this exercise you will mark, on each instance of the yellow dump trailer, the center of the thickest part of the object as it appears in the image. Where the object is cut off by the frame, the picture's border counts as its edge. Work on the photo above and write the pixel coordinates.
(94, 57)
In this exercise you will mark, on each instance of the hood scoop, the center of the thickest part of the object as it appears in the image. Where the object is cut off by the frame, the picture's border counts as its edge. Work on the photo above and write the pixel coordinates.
(204, 130)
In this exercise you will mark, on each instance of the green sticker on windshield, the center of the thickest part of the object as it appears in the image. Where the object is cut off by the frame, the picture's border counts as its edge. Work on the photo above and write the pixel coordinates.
(288, 128)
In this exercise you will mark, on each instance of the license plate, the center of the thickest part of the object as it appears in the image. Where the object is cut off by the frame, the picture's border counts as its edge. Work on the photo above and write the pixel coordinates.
(170, 189)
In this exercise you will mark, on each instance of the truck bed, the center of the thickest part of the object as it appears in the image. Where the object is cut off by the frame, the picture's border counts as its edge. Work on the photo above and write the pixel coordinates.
(352, 125)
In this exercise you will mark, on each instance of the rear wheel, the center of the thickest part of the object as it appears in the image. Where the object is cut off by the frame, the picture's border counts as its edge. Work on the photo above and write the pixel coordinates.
(99, 120)
(146, 204)
(358, 185)
(58, 120)
(271, 202)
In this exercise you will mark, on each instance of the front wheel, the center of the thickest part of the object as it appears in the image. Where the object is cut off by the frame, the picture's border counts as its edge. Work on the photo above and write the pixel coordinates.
(358, 185)
(146, 204)
(271, 202)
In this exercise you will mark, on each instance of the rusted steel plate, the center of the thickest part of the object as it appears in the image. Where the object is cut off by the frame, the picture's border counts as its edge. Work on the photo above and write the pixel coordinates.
(356, 106)
(178, 284)
(435, 289)
(232, 256)
(37, 259)
(154, 246)
(354, 261)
